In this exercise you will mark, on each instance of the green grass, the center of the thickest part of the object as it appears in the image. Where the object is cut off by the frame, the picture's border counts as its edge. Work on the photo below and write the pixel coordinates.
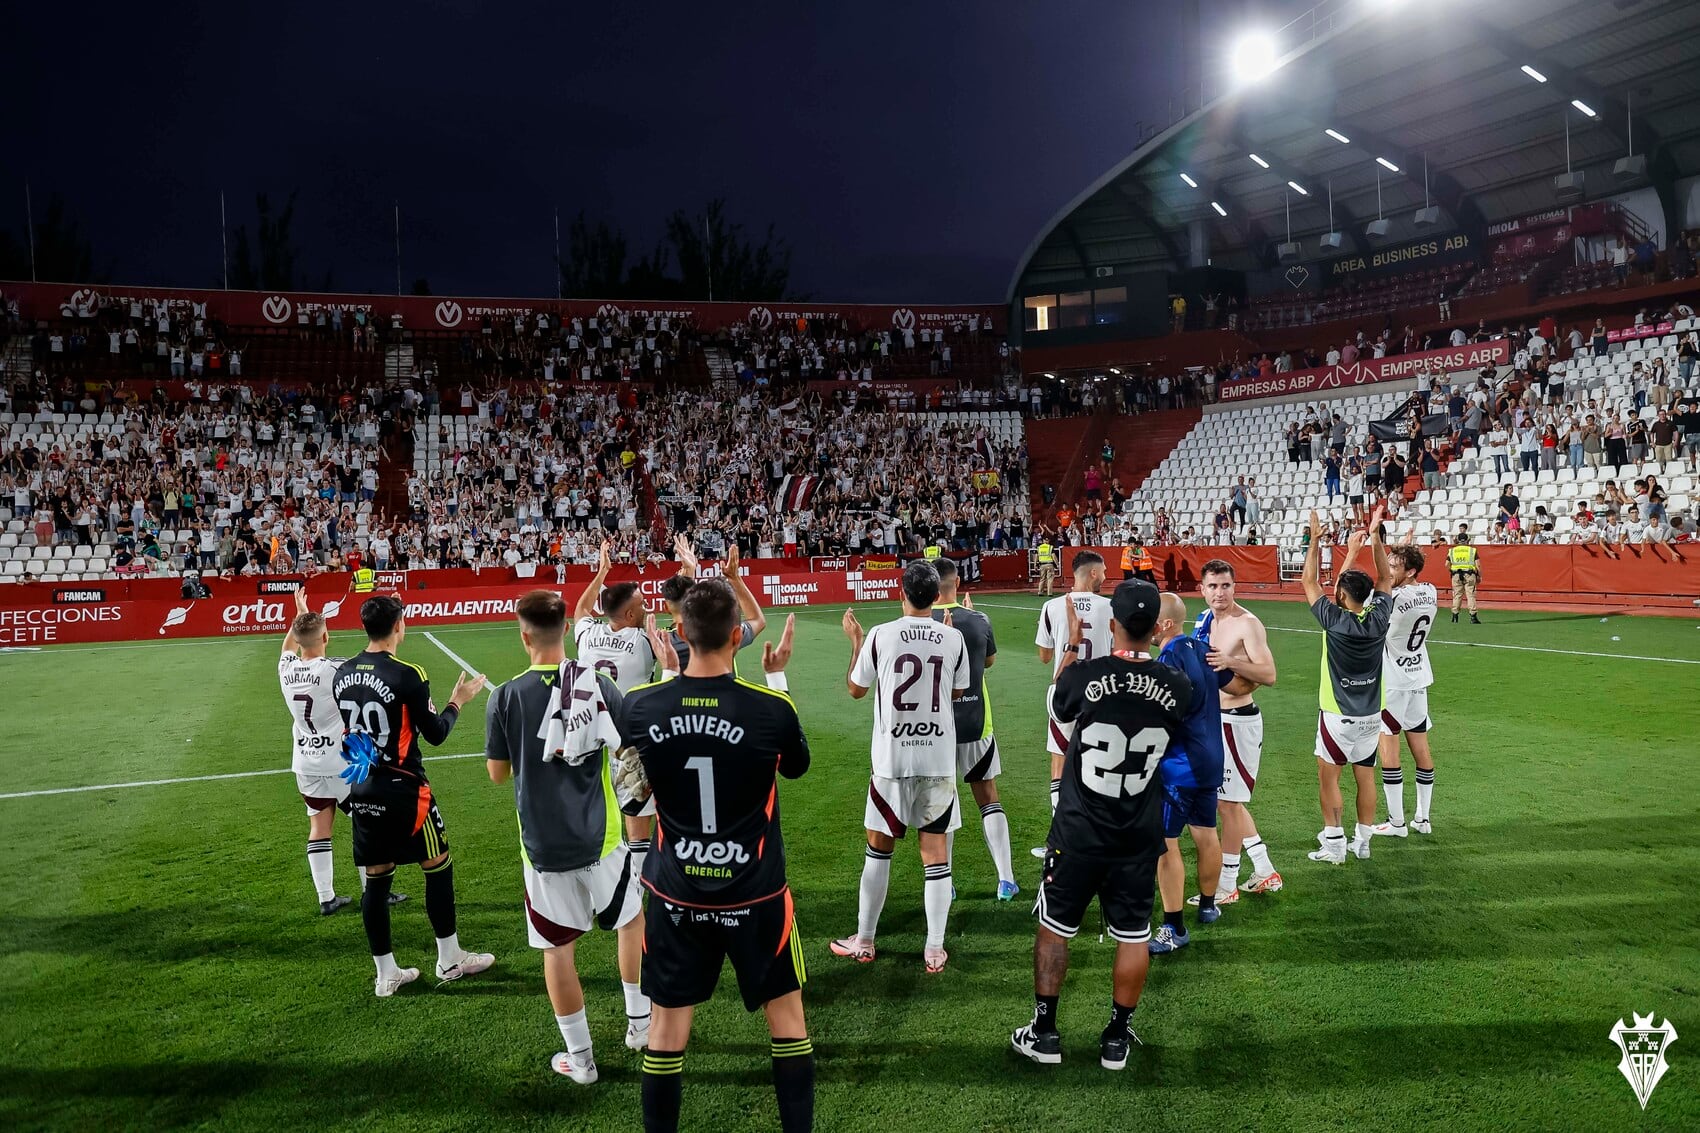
(164, 966)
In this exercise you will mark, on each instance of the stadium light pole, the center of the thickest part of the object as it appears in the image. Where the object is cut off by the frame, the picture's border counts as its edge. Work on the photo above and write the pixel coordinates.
(398, 247)
(29, 225)
(557, 252)
(224, 239)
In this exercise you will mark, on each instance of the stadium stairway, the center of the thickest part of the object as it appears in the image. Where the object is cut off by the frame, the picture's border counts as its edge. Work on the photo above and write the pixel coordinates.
(1057, 451)
(1144, 440)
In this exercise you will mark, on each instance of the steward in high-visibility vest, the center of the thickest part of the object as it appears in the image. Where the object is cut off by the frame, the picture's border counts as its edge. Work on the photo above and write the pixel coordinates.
(931, 552)
(1466, 568)
(1047, 557)
(365, 580)
(1137, 563)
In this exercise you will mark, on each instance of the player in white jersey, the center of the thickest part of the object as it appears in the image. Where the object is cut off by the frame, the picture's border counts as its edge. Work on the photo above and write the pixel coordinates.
(1093, 610)
(1406, 677)
(618, 647)
(1239, 652)
(305, 675)
(919, 667)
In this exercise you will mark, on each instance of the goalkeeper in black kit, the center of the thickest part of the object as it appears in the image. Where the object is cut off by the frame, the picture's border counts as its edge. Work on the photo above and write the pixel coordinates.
(712, 747)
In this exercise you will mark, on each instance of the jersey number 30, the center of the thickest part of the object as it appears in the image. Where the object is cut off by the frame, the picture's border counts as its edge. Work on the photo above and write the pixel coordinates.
(1105, 750)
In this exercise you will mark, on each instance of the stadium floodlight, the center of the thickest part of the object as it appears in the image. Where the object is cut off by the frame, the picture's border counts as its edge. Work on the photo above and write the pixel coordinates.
(1338, 136)
(1260, 162)
(1298, 188)
(1253, 57)
(1534, 74)
(1220, 211)
(1382, 161)
(1583, 107)
(1190, 182)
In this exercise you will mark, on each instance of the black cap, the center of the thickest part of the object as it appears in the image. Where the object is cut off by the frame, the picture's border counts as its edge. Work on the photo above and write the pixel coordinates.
(1135, 604)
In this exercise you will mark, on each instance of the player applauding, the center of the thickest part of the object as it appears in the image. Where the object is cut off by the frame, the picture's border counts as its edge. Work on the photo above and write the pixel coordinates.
(919, 667)
(386, 707)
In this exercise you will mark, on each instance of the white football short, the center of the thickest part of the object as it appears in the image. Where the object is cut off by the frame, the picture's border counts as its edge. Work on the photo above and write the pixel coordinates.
(1405, 710)
(1242, 742)
(562, 906)
(1347, 739)
(321, 791)
(978, 761)
(927, 803)
(1057, 734)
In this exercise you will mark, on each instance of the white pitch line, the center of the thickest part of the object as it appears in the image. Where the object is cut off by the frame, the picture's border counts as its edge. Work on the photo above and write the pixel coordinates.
(187, 779)
(456, 658)
(1466, 644)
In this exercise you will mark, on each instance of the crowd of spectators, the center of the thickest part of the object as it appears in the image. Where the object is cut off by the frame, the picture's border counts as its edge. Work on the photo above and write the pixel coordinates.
(545, 476)
(229, 479)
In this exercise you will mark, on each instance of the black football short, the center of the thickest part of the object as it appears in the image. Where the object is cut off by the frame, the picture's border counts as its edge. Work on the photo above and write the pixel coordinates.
(1124, 890)
(684, 949)
(396, 820)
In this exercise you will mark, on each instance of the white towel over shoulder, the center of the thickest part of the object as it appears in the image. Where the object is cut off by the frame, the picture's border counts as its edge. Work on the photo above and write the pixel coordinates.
(578, 724)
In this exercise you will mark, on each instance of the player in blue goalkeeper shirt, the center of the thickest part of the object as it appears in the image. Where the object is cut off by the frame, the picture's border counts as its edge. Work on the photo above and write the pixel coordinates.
(1192, 774)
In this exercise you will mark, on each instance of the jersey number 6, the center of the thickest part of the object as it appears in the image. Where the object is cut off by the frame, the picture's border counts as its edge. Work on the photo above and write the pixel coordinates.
(1105, 750)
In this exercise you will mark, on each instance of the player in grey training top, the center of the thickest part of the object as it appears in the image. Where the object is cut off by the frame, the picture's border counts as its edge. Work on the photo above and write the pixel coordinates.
(551, 728)
(1348, 725)
(976, 748)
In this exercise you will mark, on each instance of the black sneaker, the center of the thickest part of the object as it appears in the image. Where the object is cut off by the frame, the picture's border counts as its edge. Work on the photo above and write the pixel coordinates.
(326, 908)
(1112, 1049)
(1475, 621)
(1454, 619)
(1045, 1048)
(397, 898)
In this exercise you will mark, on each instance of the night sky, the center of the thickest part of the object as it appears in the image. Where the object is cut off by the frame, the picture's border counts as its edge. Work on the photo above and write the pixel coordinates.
(909, 151)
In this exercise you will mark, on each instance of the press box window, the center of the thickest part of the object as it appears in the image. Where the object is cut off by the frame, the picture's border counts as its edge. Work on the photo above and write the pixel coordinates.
(1074, 310)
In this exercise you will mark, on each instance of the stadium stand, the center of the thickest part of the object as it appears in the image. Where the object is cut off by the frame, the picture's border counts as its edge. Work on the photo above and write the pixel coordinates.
(1587, 484)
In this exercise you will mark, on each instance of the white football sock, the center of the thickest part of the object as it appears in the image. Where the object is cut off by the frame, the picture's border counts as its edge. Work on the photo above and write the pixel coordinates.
(1254, 848)
(1425, 791)
(936, 898)
(575, 1031)
(448, 950)
(1361, 832)
(1393, 786)
(361, 870)
(876, 876)
(386, 965)
(1230, 875)
(996, 824)
(319, 865)
(637, 1003)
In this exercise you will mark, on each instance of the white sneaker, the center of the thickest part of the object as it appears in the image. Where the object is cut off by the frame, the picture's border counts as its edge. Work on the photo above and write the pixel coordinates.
(470, 964)
(387, 985)
(637, 1034)
(1329, 856)
(578, 1065)
(1389, 830)
(1359, 847)
(1422, 826)
(1037, 851)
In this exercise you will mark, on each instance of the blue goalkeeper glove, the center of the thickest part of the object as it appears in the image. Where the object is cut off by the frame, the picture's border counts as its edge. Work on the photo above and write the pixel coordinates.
(361, 755)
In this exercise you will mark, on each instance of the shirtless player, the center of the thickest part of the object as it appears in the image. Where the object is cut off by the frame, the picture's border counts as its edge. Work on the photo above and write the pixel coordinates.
(1239, 652)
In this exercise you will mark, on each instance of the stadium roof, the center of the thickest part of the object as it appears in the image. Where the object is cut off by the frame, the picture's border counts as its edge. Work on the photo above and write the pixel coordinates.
(1399, 80)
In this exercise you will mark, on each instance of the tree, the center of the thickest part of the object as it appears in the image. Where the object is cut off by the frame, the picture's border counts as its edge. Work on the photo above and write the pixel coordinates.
(269, 264)
(716, 257)
(594, 266)
(699, 254)
(62, 253)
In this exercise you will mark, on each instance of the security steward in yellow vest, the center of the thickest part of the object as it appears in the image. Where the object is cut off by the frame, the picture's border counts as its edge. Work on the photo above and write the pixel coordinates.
(1466, 568)
(365, 581)
(1047, 556)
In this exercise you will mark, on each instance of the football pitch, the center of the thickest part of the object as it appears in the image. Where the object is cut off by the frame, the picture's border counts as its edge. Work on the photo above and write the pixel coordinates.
(165, 967)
